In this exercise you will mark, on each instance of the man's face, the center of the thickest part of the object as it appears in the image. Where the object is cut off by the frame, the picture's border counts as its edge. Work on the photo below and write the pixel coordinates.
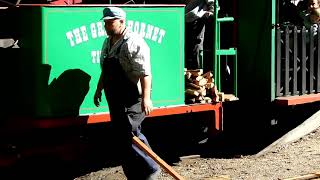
(113, 26)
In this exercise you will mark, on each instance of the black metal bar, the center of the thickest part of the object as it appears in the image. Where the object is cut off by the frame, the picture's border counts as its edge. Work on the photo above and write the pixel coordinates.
(295, 59)
(318, 62)
(304, 59)
(278, 62)
(286, 63)
(311, 61)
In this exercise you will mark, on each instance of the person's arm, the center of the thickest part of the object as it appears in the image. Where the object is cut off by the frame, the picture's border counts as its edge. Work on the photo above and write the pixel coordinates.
(138, 54)
(146, 104)
(210, 4)
(98, 93)
(210, 11)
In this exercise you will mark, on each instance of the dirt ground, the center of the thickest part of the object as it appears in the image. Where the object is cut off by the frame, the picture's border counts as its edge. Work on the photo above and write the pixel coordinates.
(298, 158)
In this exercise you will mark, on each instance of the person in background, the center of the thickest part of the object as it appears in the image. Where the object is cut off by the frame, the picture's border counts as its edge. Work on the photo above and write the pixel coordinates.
(197, 13)
(289, 13)
(126, 81)
(310, 12)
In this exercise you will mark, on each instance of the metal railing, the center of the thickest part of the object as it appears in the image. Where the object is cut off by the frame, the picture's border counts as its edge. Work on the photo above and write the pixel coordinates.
(226, 53)
(297, 61)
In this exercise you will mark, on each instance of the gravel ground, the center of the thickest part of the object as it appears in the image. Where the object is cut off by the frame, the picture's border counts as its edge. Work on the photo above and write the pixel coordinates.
(291, 160)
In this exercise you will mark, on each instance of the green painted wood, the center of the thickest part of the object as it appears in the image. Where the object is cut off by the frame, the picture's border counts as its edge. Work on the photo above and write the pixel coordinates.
(256, 51)
(230, 51)
(69, 40)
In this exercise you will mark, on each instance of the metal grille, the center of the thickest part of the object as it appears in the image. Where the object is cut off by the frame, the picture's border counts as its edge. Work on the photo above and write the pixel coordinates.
(297, 61)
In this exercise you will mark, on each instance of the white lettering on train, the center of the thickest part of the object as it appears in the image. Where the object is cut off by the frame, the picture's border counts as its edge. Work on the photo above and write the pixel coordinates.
(147, 31)
(79, 35)
(95, 56)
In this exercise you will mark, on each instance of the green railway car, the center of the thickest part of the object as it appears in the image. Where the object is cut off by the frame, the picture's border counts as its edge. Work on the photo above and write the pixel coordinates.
(54, 71)
(68, 40)
(60, 48)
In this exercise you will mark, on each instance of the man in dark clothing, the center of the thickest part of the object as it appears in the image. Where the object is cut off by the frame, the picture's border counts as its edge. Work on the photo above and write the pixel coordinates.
(197, 13)
(126, 81)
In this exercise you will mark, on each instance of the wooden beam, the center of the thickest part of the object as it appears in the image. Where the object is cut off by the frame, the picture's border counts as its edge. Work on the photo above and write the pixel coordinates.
(308, 126)
(163, 111)
(17, 124)
(295, 100)
(304, 177)
(156, 158)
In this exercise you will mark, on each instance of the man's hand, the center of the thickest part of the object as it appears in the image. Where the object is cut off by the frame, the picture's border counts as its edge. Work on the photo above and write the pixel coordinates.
(97, 98)
(208, 14)
(146, 106)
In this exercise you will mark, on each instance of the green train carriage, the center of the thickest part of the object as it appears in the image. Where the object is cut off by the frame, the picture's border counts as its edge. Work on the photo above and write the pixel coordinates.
(56, 68)
(63, 45)
(54, 72)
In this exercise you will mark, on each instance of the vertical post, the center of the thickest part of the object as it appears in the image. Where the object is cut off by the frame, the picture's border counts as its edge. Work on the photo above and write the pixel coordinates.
(311, 59)
(286, 63)
(318, 62)
(278, 91)
(304, 59)
(218, 58)
(235, 74)
(274, 19)
(216, 45)
(295, 59)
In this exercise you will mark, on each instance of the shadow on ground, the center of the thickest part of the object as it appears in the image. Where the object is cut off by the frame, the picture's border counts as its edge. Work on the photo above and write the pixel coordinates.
(67, 153)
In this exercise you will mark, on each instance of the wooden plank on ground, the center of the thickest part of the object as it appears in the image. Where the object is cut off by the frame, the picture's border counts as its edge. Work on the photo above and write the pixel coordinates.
(156, 158)
(308, 126)
(304, 177)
